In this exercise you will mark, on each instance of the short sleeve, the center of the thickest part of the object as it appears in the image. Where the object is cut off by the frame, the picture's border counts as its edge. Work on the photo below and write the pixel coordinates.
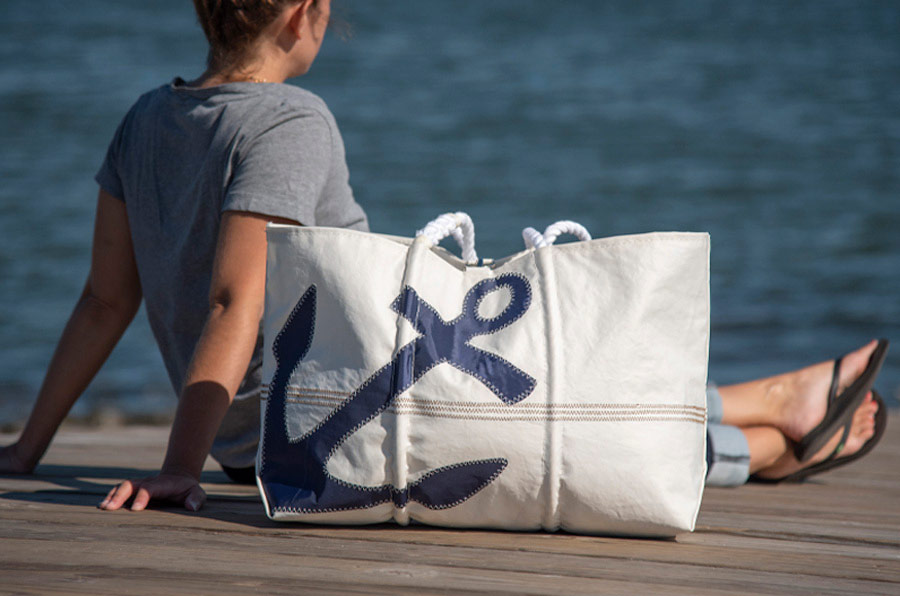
(284, 170)
(108, 175)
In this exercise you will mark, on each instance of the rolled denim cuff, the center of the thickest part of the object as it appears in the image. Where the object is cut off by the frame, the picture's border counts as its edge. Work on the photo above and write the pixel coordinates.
(727, 456)
(713, 403)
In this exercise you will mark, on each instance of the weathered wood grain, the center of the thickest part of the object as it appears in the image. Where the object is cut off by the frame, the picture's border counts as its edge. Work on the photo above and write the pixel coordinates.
(837, 534)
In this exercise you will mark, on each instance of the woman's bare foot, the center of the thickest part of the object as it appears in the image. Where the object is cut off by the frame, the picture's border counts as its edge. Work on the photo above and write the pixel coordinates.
(794, 402)
(805, 392)
(862, 429)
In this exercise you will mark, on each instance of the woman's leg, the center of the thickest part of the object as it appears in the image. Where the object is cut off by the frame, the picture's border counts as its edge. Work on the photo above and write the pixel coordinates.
(793, 402)
(767, 446)
(733, 453)
(752, 425)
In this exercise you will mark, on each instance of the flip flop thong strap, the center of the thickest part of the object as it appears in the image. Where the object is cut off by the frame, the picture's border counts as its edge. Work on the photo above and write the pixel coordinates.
(835, 378)
(832, 395)
(841, 444)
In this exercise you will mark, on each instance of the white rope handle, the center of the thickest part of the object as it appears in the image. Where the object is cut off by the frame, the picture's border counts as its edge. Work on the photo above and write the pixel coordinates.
(534, 239)
(459, 225)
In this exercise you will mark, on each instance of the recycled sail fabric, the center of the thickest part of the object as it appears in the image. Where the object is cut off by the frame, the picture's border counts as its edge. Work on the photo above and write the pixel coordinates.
(562, 387)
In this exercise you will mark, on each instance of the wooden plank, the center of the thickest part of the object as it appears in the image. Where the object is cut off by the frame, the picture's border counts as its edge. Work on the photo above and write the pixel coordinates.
(169, 550)
(838, 534)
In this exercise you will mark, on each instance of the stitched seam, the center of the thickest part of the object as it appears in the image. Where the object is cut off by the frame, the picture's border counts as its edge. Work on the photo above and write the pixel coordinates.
(326, 393)
(388, 498)
(537, 416)
(468, 496)
(275, 351)
(419, 302)
(330, 509)
(362, 423)
(512, 299)
(312, 398)
(295, 388)
(560, 408)
(467, 298)
(480, 407)
(465, 307)
(557, 418)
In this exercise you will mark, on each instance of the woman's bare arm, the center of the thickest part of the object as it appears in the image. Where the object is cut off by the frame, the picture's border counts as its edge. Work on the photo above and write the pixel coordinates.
(218, 367)
(108, 303)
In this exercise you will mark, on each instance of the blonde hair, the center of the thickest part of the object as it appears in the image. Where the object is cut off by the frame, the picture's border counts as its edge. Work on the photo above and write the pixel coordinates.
(233, 26)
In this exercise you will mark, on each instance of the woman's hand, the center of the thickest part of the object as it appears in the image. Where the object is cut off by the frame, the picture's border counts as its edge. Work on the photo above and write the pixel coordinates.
(181, 489)
(11, 462)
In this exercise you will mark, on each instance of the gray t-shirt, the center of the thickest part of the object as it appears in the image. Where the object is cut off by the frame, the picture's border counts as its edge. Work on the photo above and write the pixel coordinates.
(179, 159)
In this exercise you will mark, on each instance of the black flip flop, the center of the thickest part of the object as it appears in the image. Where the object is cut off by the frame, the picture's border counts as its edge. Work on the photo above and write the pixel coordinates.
(841, 407)
(833, 461)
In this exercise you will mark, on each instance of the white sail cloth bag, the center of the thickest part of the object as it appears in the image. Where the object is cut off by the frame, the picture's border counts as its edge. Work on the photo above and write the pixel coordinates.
(562, 387)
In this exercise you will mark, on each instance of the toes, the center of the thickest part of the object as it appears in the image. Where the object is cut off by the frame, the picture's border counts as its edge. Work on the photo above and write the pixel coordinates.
(866, 433)
(861, 414)
(863, 428)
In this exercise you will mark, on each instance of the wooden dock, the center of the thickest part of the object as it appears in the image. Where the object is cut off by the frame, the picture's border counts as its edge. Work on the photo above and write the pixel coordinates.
(837, 534)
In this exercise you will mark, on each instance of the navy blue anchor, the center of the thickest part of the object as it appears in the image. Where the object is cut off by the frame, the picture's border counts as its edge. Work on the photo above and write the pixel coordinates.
(293, 472)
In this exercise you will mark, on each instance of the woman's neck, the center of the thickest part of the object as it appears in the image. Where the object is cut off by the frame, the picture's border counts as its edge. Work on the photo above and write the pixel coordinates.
(213, 79)
(208, 79)
(256, 71)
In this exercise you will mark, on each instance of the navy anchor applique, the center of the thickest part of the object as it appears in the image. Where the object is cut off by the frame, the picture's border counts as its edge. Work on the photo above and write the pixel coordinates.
(294, 473)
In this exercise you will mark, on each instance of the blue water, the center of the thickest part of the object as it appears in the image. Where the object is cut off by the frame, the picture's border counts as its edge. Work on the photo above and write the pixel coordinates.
(775, 126)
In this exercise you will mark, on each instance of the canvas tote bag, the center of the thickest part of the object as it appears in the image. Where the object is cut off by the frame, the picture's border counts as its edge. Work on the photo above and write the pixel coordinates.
(562, 387)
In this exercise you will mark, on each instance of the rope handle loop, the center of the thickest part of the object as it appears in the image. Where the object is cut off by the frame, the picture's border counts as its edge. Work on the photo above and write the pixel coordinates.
(460, 226)
(534, 239)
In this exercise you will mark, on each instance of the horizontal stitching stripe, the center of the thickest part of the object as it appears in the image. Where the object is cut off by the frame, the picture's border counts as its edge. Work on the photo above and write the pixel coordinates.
(561, 418)
(475, 406)
(535, 413)
(324, 394)
(436, 403)
(513, 417)
(569, 409)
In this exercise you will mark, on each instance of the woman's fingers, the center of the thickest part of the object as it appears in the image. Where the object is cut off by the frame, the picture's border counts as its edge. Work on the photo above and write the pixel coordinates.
(109, 496)
(165, 487)
(118, 496)
(141, 499)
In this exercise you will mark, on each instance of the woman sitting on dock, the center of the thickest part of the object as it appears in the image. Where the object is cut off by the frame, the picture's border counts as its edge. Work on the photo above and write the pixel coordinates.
(194, 173)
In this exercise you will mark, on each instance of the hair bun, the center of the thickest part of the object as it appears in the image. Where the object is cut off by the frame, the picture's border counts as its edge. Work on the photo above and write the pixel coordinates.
(232, 26)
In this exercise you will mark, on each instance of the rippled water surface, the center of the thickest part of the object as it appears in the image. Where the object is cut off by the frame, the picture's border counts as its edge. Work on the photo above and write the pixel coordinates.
(775, 126)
